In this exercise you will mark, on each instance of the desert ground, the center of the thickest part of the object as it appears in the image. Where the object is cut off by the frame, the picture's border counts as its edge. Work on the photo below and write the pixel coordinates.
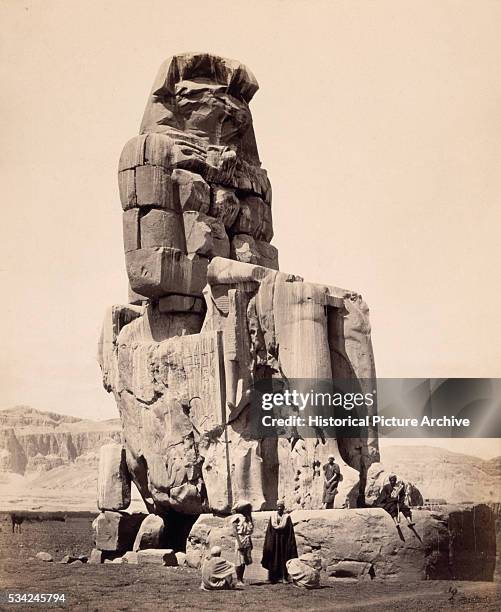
(130, 587)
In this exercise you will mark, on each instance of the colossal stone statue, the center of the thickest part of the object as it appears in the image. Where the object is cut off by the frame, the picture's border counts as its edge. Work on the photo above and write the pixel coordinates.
(210, 313)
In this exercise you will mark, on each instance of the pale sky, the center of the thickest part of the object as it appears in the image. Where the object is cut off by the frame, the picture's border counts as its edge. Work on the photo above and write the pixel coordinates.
(379, 124)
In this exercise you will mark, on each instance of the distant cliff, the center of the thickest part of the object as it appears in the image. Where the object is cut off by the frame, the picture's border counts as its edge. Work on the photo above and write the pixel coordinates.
(31, 440)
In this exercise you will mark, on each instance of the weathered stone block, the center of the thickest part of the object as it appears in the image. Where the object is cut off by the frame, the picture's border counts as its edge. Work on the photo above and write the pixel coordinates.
(116, 317)
(158, 149)
(243, 248)
(266, 233)
(135, 298)
(194, 192)
(162, 228)
(268, 255)
(157, 556)
(181, 303)
(181, 558)
(113, 482)
(253, 218)
(149, 533)
(158, 271)
(205, 235)
(127, 188)
(116, 531)
(130, 224)
(133, 153)
(248, 250)
(130, 557)
(224, 205)
(96, 556)
(154, 187)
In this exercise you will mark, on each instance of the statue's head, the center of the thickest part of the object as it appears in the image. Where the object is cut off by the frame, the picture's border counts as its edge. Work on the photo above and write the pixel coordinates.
(207, 96)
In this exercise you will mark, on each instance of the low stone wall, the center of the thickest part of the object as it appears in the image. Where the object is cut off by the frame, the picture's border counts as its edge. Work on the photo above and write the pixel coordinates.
(453, 542)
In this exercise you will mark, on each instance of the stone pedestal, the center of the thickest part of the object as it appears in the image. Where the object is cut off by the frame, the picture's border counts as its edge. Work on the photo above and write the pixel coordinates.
(456, 542)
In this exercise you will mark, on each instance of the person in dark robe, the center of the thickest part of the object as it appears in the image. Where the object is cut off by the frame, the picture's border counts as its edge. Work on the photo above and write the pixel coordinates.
(392, 499)
(332, 478)
(279, 545)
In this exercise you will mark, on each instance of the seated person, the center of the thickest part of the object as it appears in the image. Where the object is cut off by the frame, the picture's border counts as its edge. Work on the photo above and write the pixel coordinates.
(217, 573)
(392, 499)
(305, 570)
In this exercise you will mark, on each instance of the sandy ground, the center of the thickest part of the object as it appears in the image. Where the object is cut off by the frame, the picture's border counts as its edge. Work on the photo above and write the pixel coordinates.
(122, 587)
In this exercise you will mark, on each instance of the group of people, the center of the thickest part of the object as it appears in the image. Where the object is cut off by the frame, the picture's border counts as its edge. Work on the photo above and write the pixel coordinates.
(393, 497)
(280, 557)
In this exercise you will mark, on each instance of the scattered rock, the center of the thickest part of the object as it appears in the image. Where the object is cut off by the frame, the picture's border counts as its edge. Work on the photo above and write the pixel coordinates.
(193, 557)
(149, 533)
(181, 559)
(157, 556)
(77, 562)
(96, 556)
(116, 531)
(68, 559)
(43, 556)
(130, 557)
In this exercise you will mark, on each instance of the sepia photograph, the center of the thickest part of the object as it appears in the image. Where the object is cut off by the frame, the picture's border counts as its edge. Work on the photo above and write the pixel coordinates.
(251, 341)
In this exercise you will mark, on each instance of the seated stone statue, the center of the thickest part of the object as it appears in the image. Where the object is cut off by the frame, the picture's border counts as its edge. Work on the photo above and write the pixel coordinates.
(217, 573)
(210, 313)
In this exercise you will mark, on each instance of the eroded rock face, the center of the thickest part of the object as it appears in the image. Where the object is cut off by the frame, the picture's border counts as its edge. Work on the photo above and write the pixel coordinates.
(210, 313)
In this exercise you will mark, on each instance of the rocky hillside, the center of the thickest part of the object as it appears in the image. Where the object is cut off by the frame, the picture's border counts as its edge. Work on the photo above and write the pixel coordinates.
(25, 416)
(34, 441)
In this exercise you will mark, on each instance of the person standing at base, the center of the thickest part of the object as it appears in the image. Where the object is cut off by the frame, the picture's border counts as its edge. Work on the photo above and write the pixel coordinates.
(392, 499)
(279, 545)
(217, 573)
(332, 478)
(243, 528)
